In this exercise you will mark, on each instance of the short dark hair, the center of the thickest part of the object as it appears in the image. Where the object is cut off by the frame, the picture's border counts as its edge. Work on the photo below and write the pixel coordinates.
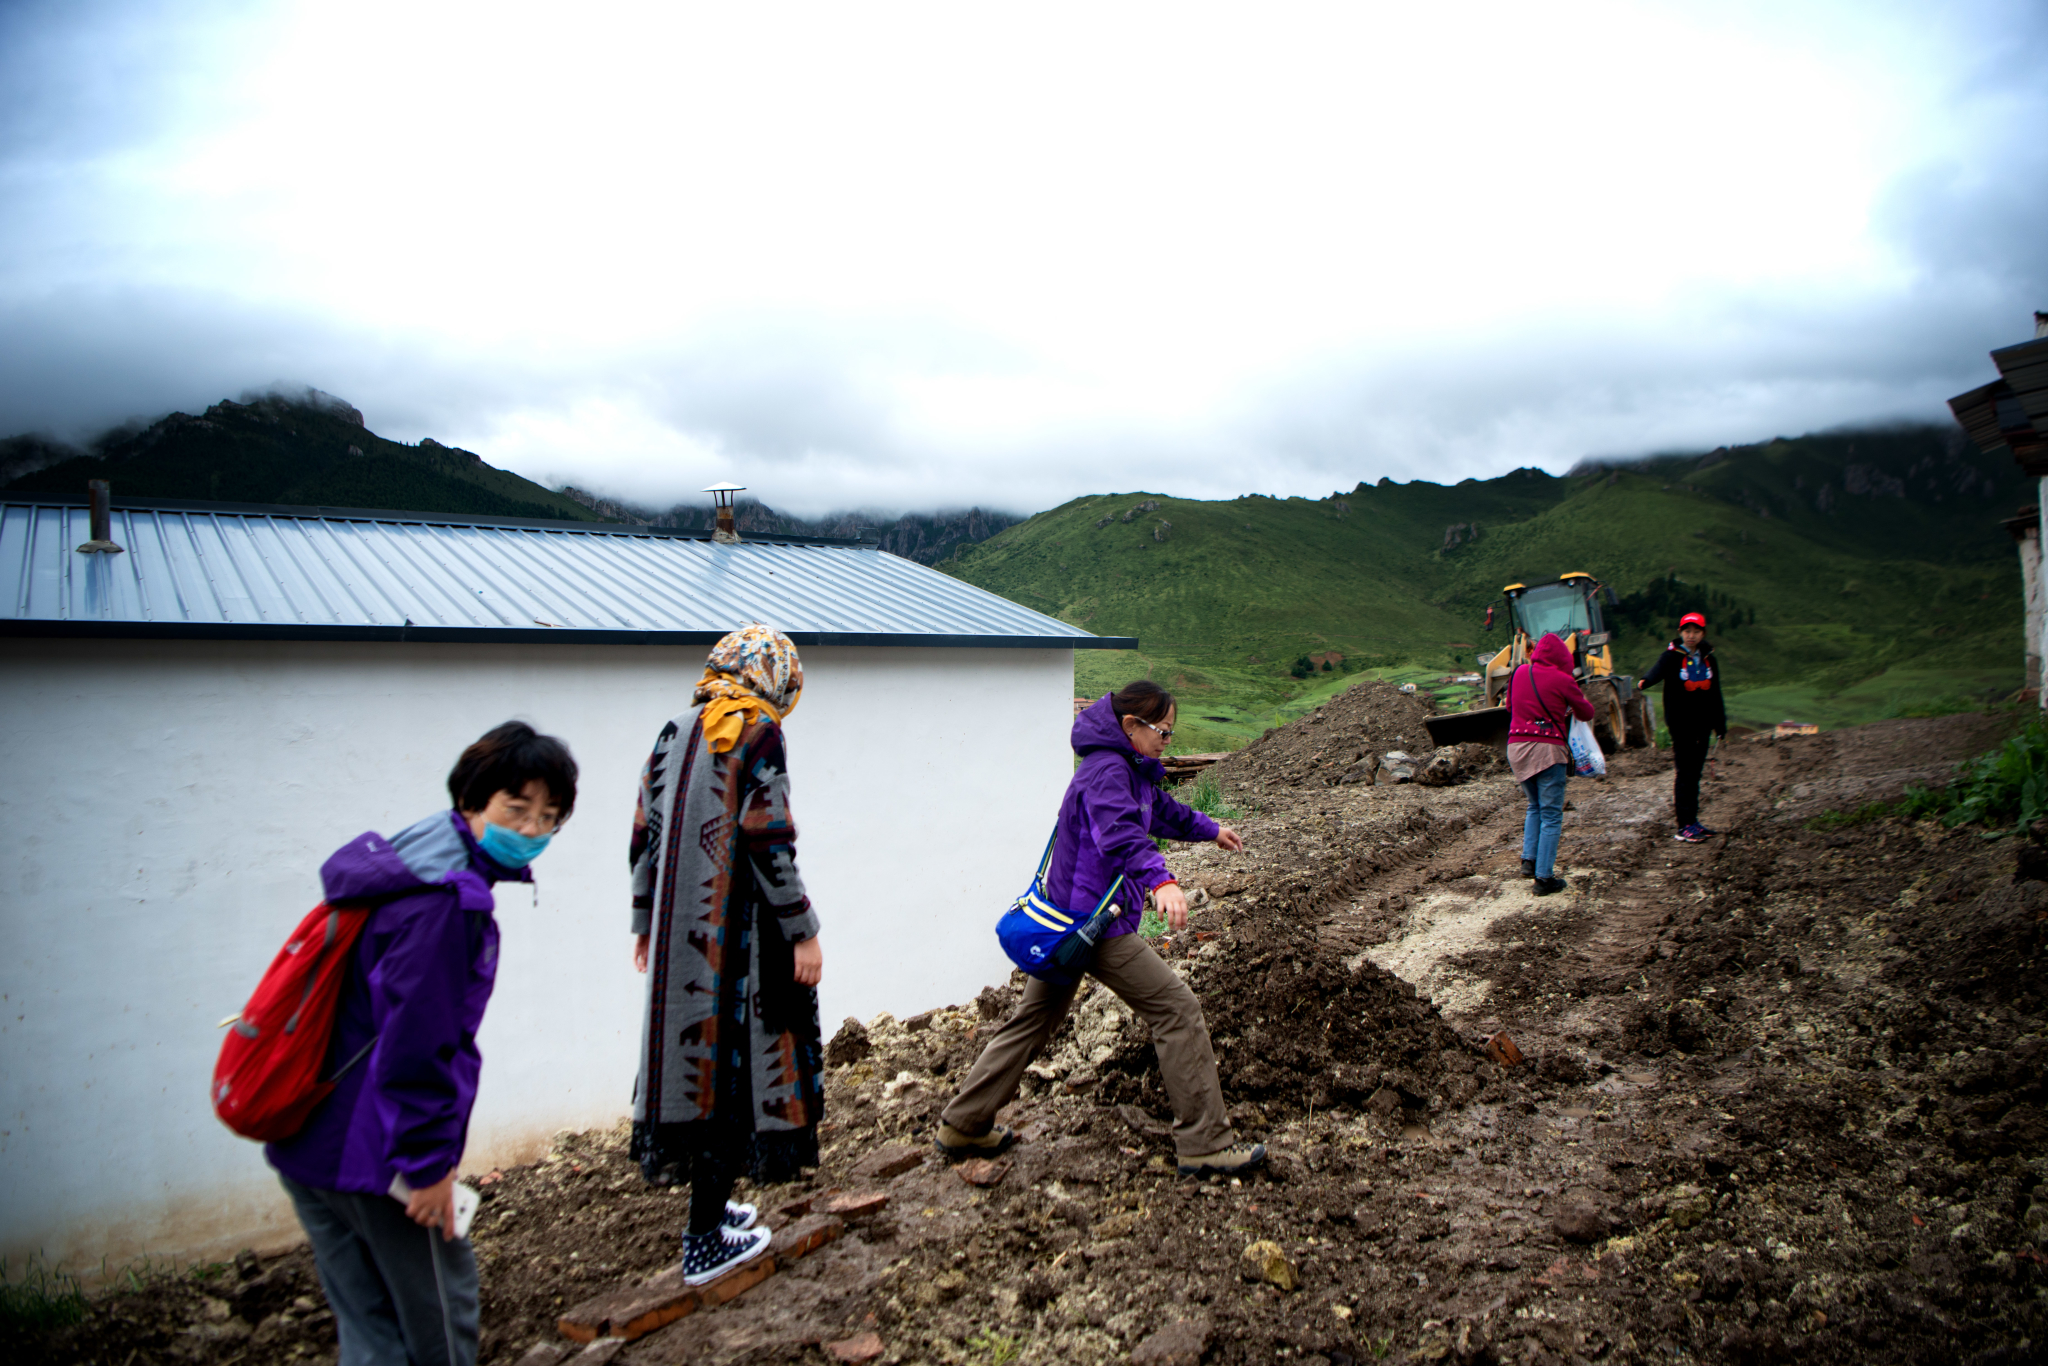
(1143, 699)
(506, 759)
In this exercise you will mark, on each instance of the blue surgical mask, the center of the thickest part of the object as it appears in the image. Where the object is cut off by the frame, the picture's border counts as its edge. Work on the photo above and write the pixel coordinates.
(509, 848)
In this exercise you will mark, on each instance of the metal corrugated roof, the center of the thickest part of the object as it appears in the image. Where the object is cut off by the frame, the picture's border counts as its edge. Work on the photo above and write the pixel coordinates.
(232, 572)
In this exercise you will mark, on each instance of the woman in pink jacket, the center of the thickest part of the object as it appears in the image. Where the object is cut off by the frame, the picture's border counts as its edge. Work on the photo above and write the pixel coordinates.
(1543, 697)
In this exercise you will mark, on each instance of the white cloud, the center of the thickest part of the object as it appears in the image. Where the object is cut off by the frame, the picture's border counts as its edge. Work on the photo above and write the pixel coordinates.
(908, 254)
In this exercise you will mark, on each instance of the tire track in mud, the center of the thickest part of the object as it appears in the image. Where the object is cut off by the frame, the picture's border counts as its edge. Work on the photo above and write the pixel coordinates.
(1474, 937)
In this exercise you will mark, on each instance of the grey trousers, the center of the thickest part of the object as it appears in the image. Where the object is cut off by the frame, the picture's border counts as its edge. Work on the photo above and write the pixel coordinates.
(1128, 966)
(401, 1296)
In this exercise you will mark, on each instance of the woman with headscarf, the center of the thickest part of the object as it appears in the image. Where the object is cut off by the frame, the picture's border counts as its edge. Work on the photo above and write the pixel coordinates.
(730, 1058)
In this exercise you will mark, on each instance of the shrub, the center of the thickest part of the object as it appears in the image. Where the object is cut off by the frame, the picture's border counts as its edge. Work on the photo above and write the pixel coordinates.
(2006, 789)
(1208, 799)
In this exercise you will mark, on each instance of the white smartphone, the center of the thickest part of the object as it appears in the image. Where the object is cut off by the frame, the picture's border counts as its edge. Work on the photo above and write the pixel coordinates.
(466, 1202)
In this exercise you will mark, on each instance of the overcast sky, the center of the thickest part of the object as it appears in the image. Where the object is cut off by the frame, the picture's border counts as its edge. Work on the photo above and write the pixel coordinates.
(906, 256)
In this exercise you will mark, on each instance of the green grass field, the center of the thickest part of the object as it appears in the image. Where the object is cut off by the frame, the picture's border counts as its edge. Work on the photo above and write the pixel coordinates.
(1895, 692)
(1846, 576)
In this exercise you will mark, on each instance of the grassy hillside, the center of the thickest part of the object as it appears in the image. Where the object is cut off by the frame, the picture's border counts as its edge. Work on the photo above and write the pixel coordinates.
(1844, 573)
(310, 451)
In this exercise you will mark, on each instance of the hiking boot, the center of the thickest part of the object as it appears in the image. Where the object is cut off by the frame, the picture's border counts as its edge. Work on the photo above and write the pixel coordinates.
(1694, 833)
(954, 1144)
(707, 1256)
(1236, 1160)
(1528, 867)
(1546, 885)
(740, 1216)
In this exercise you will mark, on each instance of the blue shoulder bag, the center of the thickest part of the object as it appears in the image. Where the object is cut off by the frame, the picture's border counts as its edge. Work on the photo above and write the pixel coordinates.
(1049, 942)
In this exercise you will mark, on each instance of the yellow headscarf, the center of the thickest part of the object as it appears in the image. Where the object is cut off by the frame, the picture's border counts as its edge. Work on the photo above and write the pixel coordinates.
(753, 668)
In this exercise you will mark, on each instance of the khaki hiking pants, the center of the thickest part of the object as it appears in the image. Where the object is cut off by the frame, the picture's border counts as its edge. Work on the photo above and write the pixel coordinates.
(1128, 966)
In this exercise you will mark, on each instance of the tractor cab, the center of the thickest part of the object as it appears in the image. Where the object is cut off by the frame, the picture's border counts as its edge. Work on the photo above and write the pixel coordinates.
(1569, 607)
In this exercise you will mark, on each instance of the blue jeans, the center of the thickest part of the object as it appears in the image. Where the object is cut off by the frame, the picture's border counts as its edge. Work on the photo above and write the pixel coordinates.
(401, 1296)
(1545, 821)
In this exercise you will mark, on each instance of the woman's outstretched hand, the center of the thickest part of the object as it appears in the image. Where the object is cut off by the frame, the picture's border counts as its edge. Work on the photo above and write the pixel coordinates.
(1229, 840)
(810, 961)
(1173, 904)
(639, 953)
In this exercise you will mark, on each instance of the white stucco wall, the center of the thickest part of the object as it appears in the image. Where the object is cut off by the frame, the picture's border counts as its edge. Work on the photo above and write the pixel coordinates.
(168, 805)
(2029, 542)
(2037, 603)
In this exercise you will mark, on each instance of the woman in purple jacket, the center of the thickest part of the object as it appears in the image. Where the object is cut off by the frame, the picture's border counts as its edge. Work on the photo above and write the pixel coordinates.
(1113, 808)
(402, 1285)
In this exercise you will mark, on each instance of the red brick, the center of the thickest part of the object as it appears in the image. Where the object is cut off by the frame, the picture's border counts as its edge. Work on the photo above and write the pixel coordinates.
(982, 1171)
(855, 1206)
(631, 1311)
(805, 1236)
(885, 1163)
(736, 1283)
(866, 1347)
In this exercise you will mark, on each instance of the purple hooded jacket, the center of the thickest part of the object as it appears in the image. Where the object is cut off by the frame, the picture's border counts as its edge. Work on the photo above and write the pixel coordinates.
(1112, 809)
(422, 974)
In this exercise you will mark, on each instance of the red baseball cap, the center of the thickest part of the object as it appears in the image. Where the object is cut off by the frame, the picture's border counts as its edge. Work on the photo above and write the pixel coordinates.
(1692, 619)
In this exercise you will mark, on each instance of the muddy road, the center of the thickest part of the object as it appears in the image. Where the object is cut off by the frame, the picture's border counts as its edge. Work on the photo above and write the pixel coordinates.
(1781, 1099)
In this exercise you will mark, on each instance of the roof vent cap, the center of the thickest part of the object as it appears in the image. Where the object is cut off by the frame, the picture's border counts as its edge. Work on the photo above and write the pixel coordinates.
(721, 496)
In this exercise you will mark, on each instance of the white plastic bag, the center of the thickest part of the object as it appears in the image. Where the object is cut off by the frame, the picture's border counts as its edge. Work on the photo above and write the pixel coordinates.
(1587, 760)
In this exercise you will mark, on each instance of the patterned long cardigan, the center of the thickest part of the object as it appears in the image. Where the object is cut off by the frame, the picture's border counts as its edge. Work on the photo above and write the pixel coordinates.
(730, 1056)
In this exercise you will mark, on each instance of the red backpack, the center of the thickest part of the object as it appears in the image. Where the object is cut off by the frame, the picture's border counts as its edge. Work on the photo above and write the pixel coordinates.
(268, 1078)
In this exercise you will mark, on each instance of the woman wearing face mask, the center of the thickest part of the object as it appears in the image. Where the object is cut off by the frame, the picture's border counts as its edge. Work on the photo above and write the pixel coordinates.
(731, 1063)
(402, 1286)
(1111, 812)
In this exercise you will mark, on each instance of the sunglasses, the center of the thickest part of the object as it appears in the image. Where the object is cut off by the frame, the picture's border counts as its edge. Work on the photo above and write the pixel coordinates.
(1165, 734)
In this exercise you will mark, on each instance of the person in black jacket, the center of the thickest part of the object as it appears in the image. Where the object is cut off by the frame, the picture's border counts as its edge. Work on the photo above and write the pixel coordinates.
(1693, 710)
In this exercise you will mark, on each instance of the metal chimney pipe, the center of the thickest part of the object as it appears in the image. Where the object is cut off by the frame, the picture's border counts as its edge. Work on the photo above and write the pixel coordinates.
(724, 532)
(100, 500)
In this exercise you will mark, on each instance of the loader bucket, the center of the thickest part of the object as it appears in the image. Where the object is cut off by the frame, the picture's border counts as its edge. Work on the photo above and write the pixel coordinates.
(1486, 726)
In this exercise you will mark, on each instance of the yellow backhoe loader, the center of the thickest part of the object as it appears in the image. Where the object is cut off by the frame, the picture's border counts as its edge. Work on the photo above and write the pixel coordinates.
(1569, 607)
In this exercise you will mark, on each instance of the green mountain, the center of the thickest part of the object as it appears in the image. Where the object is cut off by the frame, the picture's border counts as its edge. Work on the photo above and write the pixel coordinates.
(310, 450)
(926, 537)
(1844, 574)
(313, 450)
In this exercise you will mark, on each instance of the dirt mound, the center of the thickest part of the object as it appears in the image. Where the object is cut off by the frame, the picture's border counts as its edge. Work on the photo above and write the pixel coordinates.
(1333, 743)
(1298, 1029)
(1263, 977)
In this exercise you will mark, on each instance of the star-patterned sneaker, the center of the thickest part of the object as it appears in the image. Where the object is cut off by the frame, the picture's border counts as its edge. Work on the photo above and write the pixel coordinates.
(707, 1256)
